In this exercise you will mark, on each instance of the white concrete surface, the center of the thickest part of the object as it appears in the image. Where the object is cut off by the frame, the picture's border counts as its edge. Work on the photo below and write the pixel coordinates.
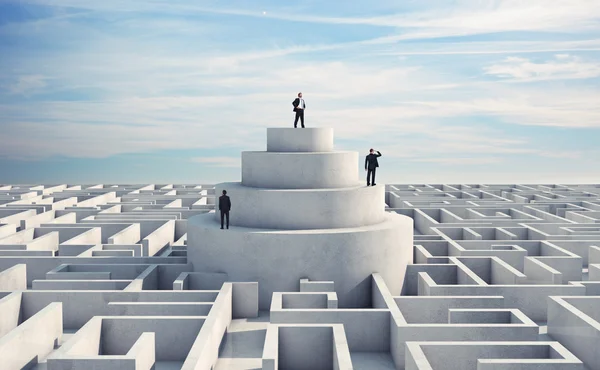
(279, 236)
(313, 346)
(10, 312)
(311, 170)
(204, 353)
(575, 322)
(505, 277)
(243, 344)
(278, 259)
(489, 355)
(303, 209)
(310, 139)
(33, 338)
(14, 278)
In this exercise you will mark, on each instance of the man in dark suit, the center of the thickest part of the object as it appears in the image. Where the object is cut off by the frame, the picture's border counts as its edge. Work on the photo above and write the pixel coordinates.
(299, 107)
(224, 207)
(371, 164)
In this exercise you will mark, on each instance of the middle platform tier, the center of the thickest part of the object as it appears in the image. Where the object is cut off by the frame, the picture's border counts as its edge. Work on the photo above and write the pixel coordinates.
(303, 209)
(318, 170)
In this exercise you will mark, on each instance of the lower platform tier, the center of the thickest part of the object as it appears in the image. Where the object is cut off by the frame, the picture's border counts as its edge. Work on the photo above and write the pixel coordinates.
(300, 209)
(278, 259)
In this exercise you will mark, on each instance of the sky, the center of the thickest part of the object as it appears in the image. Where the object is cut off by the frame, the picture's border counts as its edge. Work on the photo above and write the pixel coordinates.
(172, 91)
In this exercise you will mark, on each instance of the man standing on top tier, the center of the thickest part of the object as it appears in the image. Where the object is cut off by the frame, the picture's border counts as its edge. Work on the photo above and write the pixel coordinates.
(299, 107)
(224, 207)
(371, 164)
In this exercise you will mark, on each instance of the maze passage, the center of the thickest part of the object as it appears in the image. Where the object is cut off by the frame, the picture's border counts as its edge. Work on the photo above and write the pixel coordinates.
(98, 276)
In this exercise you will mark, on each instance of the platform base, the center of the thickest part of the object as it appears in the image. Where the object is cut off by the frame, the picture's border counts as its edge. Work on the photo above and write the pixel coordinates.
(278, 259)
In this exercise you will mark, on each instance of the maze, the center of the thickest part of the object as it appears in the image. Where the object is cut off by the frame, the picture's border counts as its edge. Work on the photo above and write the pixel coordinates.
(317, 271)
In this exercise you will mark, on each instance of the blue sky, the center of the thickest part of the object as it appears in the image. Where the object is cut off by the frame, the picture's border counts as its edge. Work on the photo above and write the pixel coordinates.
(172, 91)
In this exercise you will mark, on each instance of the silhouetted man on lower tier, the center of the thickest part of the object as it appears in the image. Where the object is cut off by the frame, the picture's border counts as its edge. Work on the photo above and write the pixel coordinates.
(371, 164)
(224, 207)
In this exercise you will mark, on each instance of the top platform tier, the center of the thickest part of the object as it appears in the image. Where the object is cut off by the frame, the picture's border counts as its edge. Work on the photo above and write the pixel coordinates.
(299, 139)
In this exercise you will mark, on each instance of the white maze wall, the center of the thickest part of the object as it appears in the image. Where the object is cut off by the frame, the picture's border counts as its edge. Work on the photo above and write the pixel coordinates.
(97, 276)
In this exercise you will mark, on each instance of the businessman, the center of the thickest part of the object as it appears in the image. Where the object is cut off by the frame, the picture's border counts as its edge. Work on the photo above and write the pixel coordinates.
(371, 164)
(224, 207)
(299, 107)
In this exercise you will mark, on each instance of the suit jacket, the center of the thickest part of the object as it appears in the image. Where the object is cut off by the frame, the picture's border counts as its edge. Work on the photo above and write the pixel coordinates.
(224, 203)
(296, 103)
(371, 161)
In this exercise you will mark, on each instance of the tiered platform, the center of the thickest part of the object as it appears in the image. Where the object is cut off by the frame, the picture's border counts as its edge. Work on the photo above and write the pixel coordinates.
(300, 212)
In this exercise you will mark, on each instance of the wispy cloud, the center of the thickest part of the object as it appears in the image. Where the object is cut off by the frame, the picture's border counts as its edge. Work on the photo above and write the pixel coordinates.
(431, 19)
(25, 85)
(461, 161)
(490, 47)
(562, 154)
(563, 66)
(461, 18)
(232, 162)
(151, 76)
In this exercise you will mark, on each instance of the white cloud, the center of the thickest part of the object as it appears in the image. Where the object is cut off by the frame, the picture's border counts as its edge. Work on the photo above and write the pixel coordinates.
(365, 106)
(562, 154)
(152, 96)
(511, 15)
(231, 162)
(461, 161)
(27, 85)
(459, 18)
(563, 66)
(492, 47)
